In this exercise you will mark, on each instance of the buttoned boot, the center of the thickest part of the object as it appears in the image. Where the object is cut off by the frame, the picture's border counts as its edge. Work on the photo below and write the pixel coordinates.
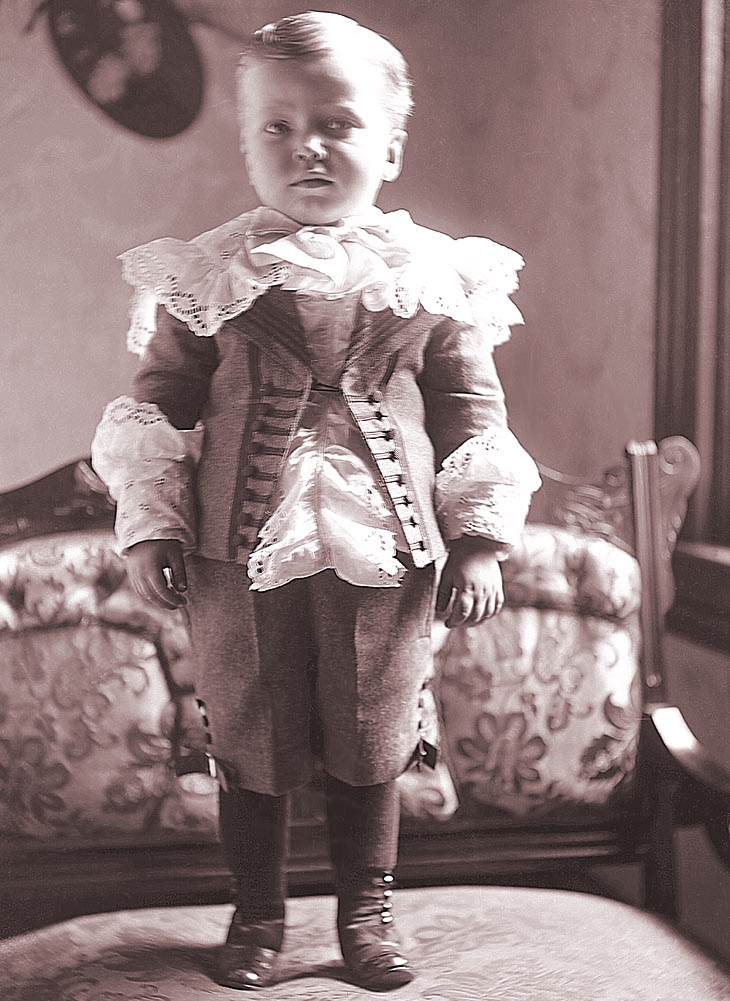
(363, 827)
(255, 834)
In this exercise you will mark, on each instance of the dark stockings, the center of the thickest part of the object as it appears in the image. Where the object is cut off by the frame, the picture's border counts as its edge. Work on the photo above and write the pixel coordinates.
(363, 829)
(363, 824)
(255, 833)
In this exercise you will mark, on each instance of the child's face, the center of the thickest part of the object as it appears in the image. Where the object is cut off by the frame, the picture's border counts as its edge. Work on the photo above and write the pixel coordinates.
(317, 136)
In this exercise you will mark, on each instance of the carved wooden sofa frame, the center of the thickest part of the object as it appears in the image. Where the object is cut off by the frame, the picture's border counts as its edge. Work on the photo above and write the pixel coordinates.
(54, 865)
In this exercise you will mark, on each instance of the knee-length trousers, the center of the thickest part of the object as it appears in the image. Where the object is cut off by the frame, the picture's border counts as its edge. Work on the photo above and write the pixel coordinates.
(316, 656)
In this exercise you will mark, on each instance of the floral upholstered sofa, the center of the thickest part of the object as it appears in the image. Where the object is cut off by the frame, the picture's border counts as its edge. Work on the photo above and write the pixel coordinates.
(540, 716)
(541, 709)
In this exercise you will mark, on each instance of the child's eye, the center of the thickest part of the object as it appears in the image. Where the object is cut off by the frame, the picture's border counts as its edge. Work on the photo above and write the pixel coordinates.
(339, 125)
(276, 128)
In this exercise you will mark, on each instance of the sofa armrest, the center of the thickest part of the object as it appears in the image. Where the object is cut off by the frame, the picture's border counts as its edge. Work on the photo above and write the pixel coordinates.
(688, 752)
(569, 570)
(705, 791)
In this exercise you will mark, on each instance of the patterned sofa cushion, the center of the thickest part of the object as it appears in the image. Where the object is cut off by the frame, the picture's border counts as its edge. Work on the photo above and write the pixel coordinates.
(541, 705)
(94, 700)
(571, 571)
(83, 750)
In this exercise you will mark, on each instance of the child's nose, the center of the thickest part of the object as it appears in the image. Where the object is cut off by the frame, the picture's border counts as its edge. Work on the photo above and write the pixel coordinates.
(310, 148)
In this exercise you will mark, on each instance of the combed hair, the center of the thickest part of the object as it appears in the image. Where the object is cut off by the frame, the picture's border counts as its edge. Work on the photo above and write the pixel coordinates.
(314, 33)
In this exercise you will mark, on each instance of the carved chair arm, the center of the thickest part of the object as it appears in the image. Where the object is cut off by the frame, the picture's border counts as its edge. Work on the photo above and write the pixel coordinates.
(705, 793)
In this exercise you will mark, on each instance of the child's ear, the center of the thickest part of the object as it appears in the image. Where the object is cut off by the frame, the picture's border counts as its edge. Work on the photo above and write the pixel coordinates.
(394, 158)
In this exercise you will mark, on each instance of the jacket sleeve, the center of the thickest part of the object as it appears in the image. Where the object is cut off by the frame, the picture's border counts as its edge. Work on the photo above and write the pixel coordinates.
(146, 447)
(486, 479)
(175, 371)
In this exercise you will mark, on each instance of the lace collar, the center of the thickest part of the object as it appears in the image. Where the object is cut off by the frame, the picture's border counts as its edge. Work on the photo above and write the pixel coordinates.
(393, 264)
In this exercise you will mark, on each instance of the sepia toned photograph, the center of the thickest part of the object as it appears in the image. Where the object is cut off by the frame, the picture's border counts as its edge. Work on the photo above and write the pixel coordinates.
(365, 500)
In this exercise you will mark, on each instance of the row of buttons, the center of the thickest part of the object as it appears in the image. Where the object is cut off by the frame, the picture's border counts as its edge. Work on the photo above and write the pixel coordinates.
(367, 412)
(272, 421)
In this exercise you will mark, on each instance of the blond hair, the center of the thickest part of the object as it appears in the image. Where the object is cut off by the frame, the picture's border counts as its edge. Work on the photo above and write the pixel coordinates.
(313, 34)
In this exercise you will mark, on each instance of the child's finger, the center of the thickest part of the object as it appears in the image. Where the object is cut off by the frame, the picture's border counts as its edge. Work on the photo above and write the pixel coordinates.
(152, 587)
(479, 611)
(177, 577)
(461, 609)
(162, 594)
(492, 605)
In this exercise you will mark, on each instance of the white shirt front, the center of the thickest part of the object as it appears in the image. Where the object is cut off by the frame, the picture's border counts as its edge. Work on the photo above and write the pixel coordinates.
(331, 511)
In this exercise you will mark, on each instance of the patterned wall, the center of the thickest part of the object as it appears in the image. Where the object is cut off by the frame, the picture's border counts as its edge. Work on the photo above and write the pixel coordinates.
(536, 124)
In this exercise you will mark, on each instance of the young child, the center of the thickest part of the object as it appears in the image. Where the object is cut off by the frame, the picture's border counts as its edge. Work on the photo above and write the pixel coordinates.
(315, 412)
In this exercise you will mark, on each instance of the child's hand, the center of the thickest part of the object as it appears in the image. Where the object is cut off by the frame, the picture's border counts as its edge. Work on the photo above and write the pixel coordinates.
(471, 583)
(156, 571)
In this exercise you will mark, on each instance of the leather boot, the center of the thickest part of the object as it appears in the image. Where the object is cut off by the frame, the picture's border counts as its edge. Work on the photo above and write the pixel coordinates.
(255, 834)
(363, 827)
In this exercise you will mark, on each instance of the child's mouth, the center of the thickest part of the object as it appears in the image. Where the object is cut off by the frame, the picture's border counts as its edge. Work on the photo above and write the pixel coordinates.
(312, 182)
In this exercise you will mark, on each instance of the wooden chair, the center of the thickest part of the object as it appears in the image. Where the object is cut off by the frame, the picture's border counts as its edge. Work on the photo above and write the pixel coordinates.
(637, 508)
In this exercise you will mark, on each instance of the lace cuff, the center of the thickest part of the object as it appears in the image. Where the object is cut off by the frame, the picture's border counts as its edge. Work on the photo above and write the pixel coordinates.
(148, 466)
(484, 488)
